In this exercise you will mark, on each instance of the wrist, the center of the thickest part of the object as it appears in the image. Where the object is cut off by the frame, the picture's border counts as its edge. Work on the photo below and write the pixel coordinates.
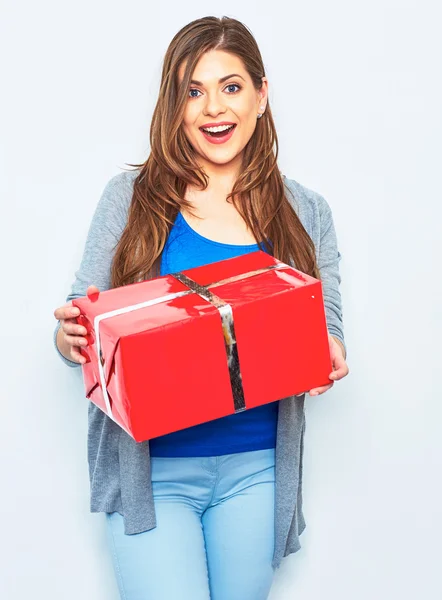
(341, 345)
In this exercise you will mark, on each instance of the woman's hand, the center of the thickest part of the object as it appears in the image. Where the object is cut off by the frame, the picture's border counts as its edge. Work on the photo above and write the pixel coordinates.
(340, 368)
(71, 332)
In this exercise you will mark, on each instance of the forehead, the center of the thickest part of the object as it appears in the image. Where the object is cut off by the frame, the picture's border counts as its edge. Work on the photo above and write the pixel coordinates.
(213, 65)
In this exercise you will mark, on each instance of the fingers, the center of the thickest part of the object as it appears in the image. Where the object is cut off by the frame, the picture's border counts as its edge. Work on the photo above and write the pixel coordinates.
(91, 291)
(73, 333)
(335, 376)
(66, 311)
(76, 355)
(71, 327)
(340, 368)
(75, 340)
(320, 390)
(340, 372)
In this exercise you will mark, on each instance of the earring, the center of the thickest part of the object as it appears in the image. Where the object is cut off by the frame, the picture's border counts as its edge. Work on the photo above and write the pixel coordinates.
(260, 114)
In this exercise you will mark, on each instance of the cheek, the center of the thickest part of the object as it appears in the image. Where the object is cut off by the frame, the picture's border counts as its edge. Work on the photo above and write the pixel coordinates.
(191, 114)
(245, 107)
(248, 120)
(189, 128)
(186, 119)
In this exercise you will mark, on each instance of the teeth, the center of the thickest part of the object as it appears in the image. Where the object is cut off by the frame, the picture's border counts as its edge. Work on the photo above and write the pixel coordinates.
(216, 129)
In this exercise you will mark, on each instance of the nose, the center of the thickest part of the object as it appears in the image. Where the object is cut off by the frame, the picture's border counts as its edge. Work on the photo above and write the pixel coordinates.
(214, 104)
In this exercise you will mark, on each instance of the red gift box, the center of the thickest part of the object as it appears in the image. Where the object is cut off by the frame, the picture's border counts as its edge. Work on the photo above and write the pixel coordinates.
(189, 347)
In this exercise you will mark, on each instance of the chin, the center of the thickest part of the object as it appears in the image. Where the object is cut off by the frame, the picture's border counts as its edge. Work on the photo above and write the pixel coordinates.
(221, 161)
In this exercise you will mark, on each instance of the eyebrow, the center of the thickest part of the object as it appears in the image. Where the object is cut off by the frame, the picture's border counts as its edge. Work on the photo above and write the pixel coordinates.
(221, 80)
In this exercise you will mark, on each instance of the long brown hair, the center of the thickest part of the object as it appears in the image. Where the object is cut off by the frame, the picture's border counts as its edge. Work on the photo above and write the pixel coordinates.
(159, 189)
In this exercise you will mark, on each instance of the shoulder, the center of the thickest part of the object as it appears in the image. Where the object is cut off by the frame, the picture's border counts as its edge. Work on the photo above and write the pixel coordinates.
(121, 185)
(304, 196)
(116, 197)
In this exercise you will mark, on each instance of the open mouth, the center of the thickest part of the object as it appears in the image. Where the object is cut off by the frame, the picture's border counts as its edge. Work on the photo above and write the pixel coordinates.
(219, 134)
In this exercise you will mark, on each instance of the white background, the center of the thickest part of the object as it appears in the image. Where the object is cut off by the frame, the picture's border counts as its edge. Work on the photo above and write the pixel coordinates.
(356, 93)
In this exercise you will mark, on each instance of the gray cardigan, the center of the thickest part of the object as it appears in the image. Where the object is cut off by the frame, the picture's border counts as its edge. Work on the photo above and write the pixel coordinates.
(119, 467)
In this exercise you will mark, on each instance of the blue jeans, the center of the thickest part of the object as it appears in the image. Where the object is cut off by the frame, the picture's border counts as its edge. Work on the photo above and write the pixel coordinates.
(214, 538)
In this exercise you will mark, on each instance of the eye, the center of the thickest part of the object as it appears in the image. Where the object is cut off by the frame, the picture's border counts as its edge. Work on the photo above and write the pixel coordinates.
(234, 85)
(228, 86)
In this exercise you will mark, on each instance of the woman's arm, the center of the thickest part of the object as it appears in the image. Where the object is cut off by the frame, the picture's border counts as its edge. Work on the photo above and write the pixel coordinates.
(341, 346)
(105, 230)
(328, 257)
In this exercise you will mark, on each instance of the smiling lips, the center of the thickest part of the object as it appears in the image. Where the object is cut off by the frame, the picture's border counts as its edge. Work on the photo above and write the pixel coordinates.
(219, 132)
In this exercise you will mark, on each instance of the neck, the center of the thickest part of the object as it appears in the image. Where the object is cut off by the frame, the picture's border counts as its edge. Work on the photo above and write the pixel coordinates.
(221, 177)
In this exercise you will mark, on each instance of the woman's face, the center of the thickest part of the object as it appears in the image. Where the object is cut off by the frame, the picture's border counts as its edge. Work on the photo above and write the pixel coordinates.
(234, 101)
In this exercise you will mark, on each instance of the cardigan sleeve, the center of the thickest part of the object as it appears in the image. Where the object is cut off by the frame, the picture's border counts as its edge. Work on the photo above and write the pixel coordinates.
(329, 258)
(105, 230)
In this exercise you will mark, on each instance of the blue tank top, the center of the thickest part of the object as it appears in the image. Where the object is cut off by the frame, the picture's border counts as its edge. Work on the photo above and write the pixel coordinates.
(253, 429)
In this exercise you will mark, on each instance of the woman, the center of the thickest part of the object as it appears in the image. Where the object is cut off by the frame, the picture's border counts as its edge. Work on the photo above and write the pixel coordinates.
(209, 511)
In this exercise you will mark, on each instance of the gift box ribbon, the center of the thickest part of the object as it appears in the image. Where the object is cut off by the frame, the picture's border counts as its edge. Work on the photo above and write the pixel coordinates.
(227, 323)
